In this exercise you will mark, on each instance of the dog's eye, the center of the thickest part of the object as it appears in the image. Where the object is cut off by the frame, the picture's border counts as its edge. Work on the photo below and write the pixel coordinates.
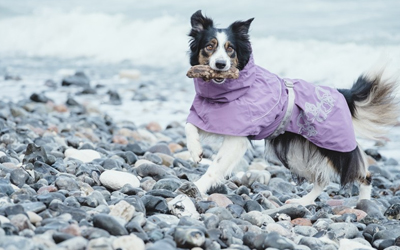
(229, 49)
(209, 47)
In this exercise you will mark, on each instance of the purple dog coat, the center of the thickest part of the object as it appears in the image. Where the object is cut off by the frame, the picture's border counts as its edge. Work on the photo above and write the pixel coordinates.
(255, 104)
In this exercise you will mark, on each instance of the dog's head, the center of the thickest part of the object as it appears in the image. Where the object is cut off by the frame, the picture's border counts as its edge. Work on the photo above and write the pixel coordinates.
(221, 49)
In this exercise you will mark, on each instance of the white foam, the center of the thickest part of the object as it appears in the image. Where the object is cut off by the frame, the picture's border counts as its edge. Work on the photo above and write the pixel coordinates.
(333, 64)
(163, 42)
(156, 42)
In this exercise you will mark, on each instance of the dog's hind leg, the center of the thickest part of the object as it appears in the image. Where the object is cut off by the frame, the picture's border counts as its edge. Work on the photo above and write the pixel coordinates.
(232, 150)
(365, 187)
(310, 197)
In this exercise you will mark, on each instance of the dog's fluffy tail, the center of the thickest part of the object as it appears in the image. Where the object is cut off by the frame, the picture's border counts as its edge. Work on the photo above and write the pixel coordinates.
(373, 103)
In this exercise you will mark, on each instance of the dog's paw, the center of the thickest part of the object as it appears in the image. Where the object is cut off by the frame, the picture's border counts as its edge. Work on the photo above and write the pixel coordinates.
(202, 187)
(301, 201)
(196, 150)
(251, 176)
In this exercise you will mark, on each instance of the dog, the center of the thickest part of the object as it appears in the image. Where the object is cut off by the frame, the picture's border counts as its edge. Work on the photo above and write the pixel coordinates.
(310, 129)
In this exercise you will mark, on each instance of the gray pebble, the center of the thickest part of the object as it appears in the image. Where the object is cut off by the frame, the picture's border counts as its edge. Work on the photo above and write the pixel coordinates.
(109, 223)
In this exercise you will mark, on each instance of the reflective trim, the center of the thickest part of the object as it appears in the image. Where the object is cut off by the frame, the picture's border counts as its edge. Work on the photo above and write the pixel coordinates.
(281, 128)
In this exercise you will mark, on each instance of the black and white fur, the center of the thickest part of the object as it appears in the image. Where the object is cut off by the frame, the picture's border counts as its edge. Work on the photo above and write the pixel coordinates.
(370, 100)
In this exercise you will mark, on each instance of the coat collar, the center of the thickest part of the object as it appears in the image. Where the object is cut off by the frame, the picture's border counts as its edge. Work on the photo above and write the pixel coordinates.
(231, 89)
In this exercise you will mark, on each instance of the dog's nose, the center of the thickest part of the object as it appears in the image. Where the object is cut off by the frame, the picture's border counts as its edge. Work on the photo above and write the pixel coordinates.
(220, 64)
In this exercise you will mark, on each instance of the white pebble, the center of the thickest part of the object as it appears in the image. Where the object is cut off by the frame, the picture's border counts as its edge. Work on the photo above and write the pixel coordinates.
(129, 74)
(123, 210)
(129, 242)
(182, 205)
(84, 155)
(345, 244)
(117, 179)
(3, 220)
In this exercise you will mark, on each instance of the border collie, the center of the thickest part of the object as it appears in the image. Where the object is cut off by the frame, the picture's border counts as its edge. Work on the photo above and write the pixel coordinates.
(310, 129)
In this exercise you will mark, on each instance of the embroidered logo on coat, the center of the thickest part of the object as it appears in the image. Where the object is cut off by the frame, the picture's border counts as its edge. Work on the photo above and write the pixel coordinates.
(315, 112)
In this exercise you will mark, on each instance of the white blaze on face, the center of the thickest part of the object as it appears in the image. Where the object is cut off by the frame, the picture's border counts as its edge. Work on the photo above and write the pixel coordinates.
(220, 57)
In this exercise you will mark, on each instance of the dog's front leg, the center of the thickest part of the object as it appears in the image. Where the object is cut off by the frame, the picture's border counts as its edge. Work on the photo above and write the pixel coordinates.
(232, 150)
(193, 142)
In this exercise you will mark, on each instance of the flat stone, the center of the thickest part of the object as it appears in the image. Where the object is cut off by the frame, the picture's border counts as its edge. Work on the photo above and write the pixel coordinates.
(359, 213)
(293, 210)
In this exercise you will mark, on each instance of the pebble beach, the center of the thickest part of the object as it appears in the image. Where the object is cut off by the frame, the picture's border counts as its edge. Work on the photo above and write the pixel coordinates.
(93, 153)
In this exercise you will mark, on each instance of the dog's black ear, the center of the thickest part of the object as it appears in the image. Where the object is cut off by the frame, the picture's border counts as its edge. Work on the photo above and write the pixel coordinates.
(200, 22)
(241, 27)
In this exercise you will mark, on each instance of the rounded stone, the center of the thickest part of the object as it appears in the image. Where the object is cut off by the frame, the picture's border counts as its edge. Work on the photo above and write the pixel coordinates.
(129, 242)
(189, 237)
(123, 210)
(170, 184)
(84, 155)
(182, 205)
(115, 180)
(109, 223)
(257, 218)
(344, 230)
(66, 183)
(220, 199)
(370, 207)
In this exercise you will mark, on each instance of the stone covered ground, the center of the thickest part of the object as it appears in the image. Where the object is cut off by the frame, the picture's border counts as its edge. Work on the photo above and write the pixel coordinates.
(74, 178)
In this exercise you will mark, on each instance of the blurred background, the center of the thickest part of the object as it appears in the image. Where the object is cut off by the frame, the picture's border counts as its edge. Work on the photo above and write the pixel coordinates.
(140, 48)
